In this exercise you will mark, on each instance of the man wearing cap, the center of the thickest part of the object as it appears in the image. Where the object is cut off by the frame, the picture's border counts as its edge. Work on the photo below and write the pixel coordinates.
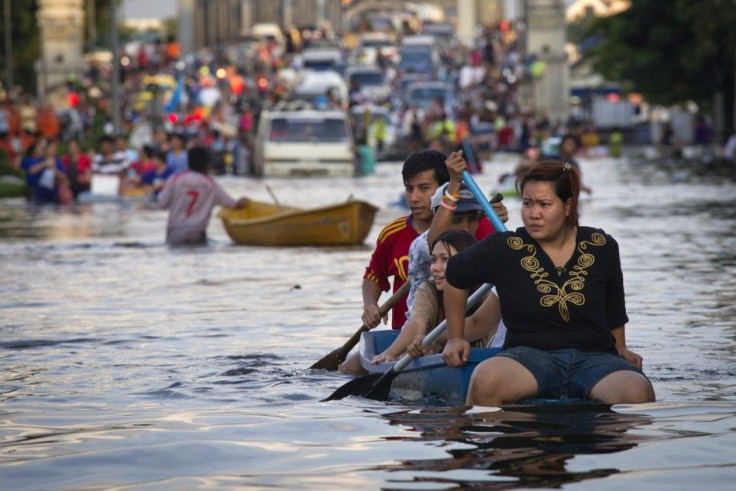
(463, 214)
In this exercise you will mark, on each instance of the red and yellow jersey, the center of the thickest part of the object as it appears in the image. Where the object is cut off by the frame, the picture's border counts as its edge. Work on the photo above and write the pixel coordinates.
(391, 258)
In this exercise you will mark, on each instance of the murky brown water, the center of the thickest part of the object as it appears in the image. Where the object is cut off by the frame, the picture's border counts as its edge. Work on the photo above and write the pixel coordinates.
(127, 364)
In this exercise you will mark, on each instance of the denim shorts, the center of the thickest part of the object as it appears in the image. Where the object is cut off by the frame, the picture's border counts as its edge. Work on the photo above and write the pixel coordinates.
(568, 372)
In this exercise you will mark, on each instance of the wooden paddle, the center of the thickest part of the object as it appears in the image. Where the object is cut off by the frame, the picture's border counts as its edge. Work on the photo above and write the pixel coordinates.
(378, 386)
(332, 360)
(273, 196)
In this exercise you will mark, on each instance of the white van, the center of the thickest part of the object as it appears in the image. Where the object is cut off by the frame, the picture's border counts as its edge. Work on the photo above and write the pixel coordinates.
(309, 142)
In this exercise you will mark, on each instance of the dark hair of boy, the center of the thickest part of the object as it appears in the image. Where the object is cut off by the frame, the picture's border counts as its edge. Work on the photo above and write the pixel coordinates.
(426, 160)
(198, 159)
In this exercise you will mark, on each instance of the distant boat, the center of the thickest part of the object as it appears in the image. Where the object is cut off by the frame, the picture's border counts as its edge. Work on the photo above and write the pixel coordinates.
(260, 223)
(506, 186)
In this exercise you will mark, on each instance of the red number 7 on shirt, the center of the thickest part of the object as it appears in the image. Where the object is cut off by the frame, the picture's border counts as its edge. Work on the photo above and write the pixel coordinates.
(195, 196)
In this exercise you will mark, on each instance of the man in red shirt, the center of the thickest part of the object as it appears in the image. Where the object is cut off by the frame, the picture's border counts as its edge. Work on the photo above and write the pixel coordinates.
(423, 172)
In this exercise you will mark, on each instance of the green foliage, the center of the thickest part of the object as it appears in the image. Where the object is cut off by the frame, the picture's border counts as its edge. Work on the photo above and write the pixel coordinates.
(26, 45)
(670, 51)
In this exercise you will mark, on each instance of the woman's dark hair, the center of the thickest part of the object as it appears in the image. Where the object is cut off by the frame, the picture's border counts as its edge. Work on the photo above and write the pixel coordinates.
(565, 179)
(459, 239)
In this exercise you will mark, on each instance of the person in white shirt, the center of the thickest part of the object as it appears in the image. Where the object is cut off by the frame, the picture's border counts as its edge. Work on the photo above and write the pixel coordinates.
(190, 197)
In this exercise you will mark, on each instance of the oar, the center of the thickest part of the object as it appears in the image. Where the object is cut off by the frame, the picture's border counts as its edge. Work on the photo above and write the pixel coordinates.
(273, 196)
(378, 386)
(332, 360)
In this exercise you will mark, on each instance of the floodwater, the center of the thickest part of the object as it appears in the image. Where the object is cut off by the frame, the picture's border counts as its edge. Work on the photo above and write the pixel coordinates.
(126, 364)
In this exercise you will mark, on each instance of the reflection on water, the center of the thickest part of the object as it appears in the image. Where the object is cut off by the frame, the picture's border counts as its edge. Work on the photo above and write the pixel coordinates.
(519, 446)
(129, 364)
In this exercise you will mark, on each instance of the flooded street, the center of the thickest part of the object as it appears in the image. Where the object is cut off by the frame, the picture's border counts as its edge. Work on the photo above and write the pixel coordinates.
(126, 364)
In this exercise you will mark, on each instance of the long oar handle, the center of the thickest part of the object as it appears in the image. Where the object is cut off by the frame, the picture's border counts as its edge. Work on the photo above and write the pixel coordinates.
(382, 311)
(391, 301)
(483, 202)
(332, 360)
(476, 297)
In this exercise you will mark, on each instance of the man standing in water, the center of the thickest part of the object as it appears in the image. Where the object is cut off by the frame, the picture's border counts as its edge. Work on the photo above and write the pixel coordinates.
(190, 196)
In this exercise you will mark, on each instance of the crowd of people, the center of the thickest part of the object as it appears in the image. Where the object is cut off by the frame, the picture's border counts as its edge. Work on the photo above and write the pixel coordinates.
(214, 98)
(558, 309)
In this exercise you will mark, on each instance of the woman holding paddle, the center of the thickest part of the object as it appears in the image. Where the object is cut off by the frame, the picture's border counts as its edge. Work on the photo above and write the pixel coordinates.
(427, 310)
(560, 287)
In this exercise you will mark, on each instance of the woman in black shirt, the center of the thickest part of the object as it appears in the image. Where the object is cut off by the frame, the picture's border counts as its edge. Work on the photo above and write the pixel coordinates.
(561, 292)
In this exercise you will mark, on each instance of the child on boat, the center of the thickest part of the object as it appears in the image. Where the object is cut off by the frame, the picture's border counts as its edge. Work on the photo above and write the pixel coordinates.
(428, 310)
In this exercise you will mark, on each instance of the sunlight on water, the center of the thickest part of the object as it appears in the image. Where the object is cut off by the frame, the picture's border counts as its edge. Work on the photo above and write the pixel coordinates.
(126, 363)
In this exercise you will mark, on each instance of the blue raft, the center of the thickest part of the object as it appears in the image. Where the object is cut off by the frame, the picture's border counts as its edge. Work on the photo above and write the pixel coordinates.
(427, 376)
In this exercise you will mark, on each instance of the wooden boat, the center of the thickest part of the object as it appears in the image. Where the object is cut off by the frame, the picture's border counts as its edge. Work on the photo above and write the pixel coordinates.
(427, 376)
(268, 224)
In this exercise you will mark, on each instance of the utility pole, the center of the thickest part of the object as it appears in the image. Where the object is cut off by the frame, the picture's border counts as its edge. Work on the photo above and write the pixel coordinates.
(115, 66)
(91, 26)
(8, 48)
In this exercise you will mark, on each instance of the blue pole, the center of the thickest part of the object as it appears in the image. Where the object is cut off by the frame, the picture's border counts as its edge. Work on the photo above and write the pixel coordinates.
(483, 202)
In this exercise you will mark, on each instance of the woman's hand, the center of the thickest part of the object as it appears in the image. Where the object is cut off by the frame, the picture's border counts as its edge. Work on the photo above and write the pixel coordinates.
(633, 358)
(456, 352)
(415, 348)
(383, 357)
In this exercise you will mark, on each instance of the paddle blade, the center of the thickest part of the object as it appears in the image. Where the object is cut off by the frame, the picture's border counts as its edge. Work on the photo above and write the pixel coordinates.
(376, 386)
(331, 361)
(355, 387)
(380, 389)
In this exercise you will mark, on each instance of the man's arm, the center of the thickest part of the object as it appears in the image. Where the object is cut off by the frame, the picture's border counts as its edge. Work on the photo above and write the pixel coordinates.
(371, 314)
(443, 217)
(164, 197)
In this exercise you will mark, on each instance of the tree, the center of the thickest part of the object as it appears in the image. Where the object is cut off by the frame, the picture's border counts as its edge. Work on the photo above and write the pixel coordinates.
(26, 45)
(672, 52)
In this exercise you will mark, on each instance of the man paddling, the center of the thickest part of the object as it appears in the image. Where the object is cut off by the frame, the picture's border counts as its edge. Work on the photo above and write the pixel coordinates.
(423, 172)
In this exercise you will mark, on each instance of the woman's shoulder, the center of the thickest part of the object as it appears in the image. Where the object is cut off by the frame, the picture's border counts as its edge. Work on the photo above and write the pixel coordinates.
(427, 288)
(596, 236)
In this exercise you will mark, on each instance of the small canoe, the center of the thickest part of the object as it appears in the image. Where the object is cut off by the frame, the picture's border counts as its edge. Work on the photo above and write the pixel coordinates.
(430, 377)
(260, 223)
(427, 376)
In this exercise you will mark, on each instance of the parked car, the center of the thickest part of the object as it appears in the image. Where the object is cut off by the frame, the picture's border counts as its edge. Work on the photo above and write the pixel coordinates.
(373, 44)
(321, 59)
(308, 142)
(423, 94)
(371, 81)
(315, 85)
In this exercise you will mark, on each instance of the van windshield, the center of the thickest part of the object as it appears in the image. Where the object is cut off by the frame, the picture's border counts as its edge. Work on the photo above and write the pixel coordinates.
(367, 78)
(425, 95)
(326, 130)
